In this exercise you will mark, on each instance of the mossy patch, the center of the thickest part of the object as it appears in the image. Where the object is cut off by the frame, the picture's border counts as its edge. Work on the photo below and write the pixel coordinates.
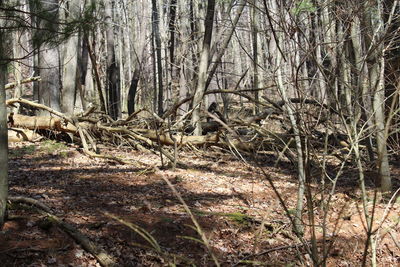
(51, 147)
(237, 217)
(21, 151)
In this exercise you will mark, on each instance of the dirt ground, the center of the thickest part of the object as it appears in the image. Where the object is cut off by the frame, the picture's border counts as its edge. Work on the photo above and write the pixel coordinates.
(232, 201)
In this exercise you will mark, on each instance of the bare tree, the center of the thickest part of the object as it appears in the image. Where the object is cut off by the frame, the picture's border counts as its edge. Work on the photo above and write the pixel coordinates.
(3, 136)
(157, 39)
(47, 16)
(112, 76)
(203, 67)
(70, 60)
(3, 122)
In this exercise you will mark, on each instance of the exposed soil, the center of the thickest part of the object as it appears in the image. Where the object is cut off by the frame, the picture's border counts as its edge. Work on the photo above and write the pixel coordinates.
(232, 201)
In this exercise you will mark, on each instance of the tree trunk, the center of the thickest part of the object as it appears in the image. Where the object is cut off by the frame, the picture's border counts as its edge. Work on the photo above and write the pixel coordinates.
(70, 62)
(133, 90)
(255, 45)
(49, 58)
(203, 66)
(112, 76)
(172, 30)
(225, 43)
(50, 85)
(83, 69)
(3, 128)
(157, 39)
(377, 83)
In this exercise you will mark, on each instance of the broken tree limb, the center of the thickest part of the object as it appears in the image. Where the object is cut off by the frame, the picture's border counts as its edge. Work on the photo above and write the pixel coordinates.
(241, 93)
(20, 135)
(150, 136)
(39, 106)
(142, 138)
(30, 201)
(94, 154)
(100, 254)
(165, 139)
(27, 80)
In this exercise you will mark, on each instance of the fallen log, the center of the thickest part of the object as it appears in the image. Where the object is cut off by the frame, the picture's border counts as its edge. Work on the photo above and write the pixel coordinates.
(41, 123)
(38, 106)
(92, 129)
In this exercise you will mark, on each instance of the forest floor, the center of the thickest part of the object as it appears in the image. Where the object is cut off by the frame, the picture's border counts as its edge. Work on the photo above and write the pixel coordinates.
(233, 202)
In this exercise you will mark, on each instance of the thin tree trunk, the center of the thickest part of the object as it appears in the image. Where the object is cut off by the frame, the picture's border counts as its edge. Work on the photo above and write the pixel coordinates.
(83, 69)
(225, 43)
(283, 67)
(377, 83)
(112, 85)
(133, 90)
(362, 81)
(172, 30)
(157, 39)
(3, 129)
(203, 66)
(96, 75)
(254, 34)
(321, 90)
(154, 70)
(18, 53)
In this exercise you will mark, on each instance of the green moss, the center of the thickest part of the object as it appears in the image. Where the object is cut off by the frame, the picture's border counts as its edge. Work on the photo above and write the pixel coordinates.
(237, 217)
(21, 151)
(64, 154)
(50, 146)
(166, 219)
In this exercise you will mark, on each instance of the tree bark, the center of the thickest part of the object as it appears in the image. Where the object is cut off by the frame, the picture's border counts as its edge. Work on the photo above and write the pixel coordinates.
(133, 90)
(256, 48)
(3, 128)
(112, 85)
(49, 57)
(172, 30)
(203, 66)
(70, 62)
(377, 83)
(157, 39)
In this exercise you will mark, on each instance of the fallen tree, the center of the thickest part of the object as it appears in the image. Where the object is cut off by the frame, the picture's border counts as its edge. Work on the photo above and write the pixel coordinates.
(40, 123)
(93, 127)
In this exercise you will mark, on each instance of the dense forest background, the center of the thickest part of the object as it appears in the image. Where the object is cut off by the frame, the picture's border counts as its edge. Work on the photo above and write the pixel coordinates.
(314, 82)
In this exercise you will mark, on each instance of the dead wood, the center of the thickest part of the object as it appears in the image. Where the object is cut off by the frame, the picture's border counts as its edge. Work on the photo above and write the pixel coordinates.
(38, 106)
(142, 138)
(92, 154)
(42, 123)
(100, 254)
(29, 201)
(167, 139)
(27, 80)
(20, 135)
(172, 110)
(92, 128)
